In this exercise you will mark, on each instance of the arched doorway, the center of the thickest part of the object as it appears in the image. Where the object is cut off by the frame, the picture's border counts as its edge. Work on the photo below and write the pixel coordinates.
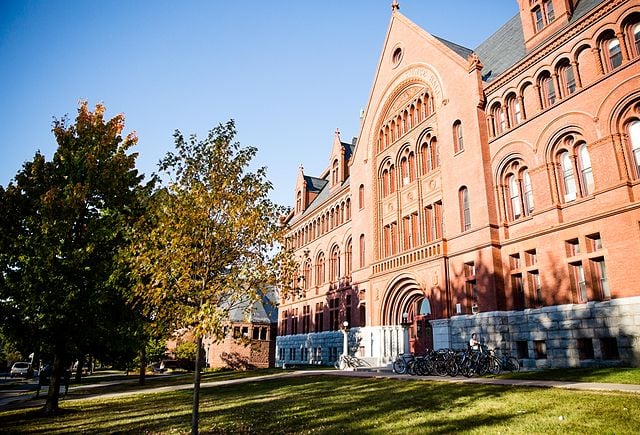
(405, 305)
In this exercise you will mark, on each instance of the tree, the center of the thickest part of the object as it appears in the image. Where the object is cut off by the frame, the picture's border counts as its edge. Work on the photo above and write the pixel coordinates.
(63, 223)
(213, 243)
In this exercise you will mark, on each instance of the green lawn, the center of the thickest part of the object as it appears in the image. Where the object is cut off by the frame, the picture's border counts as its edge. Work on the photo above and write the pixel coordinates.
(615, 375)
(327, 404)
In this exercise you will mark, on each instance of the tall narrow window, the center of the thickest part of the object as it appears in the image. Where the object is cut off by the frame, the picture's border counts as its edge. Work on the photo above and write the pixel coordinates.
(601, 280)
(514, 196)
(568, 177)
(581, 282)
(299, 203)
(636, 38)
(567, 78)
(548, 90)
(537, 14)
(320, 269)
(362, 253)
(548, 7)
(527, 192)
(634, 138)
(335, 172)
(465, 212)
(585, 170)
(615, 54)
(361, 197)
(334, 266)
(458, 142)
(404, 171)
(348, 258)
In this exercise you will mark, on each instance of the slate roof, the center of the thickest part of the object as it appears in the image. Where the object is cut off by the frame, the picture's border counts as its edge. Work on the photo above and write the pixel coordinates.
(463, 52)
(264, 311)
(506, 46)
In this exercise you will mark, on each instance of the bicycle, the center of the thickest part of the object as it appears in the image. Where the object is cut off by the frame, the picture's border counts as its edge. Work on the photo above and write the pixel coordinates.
(347, 361)
(404, 364)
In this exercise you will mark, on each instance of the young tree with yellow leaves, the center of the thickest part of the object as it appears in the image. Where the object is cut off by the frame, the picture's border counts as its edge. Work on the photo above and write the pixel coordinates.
(213, 241)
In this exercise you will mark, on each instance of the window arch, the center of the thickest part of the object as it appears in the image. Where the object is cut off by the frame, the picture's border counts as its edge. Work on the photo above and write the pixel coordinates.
(517, 191)
(567, 77)
(458, 141)
(634, 140)
(407, 167)
(299, 202)
(610, 50)
(320, 269)
(547, 89)
(514, 109)
(465, 211)
(499, 119)
(306, 274)
(334, 264)
(575, 176)
(429, 154)
(361, 197)
(388, 179)
(348, 258)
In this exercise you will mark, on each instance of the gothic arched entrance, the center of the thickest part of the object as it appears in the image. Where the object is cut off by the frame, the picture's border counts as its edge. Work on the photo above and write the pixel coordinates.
(405, 305)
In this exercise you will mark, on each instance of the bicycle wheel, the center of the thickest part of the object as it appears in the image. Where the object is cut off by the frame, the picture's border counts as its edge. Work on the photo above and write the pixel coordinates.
(399, 366)
(494, 365)
(512, 364)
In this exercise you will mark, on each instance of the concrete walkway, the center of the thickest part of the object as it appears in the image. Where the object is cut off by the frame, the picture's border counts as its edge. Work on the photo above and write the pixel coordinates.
(29, 400)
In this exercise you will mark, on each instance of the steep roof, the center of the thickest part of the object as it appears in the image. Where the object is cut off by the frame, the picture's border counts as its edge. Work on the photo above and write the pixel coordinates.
(463, 52)
(506, 46)
(263, 311)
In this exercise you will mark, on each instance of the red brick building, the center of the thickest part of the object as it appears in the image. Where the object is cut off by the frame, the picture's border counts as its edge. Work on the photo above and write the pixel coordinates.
(493, 190)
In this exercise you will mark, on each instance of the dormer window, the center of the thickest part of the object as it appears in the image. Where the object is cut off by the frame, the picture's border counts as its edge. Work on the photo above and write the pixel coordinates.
(334, 172)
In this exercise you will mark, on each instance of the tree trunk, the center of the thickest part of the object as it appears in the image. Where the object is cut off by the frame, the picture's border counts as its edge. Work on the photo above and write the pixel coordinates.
(196, 390)
(53, 395)
(143, 365)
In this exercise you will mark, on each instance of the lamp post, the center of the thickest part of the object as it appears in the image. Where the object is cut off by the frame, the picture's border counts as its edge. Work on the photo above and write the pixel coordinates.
(405, 332)
(345, 338)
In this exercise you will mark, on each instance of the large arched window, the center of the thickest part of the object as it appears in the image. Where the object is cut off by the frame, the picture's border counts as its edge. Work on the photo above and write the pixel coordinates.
(465, 211)
(518, 192)
(634, 140)
(575, 175)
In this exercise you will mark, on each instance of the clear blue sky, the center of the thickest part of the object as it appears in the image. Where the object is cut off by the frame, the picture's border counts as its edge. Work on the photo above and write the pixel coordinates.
(289, 72)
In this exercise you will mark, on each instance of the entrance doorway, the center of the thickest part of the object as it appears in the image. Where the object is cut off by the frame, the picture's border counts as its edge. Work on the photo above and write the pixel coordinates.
(420, 331)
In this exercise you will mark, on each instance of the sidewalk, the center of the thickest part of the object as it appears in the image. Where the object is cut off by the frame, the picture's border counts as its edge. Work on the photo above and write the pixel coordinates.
(29, 400)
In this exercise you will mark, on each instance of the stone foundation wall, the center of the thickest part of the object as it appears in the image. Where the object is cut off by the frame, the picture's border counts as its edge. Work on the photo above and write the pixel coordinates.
(574, 335)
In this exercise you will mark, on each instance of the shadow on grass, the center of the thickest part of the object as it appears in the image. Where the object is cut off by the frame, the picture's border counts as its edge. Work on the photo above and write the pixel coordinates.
(327, 404)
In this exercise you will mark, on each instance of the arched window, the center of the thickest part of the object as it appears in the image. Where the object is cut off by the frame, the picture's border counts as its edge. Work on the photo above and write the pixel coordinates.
(465, 212)
(334, 265)
(404, 171)
(568, 177)
(518, 192)
(412, 166)
(458, 142)
(614, 53)
(586, 174)
(320, 269)
(514, 196)
(299, 202)
(361, 197)
(497, 120)
(547, 90)
(527, 192)
(348, 258)
(567, 77)
(636, 38)
(306, 274)
(634, 139)
(347, 208)
(425, 156)
(514, 110)
(334, 172)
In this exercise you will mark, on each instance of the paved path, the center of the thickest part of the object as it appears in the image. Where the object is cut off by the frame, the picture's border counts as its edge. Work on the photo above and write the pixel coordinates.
(28, 400)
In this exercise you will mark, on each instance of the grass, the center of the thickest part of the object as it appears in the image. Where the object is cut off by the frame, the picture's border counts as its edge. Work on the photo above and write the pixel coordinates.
(614, 375)
(327, 404)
